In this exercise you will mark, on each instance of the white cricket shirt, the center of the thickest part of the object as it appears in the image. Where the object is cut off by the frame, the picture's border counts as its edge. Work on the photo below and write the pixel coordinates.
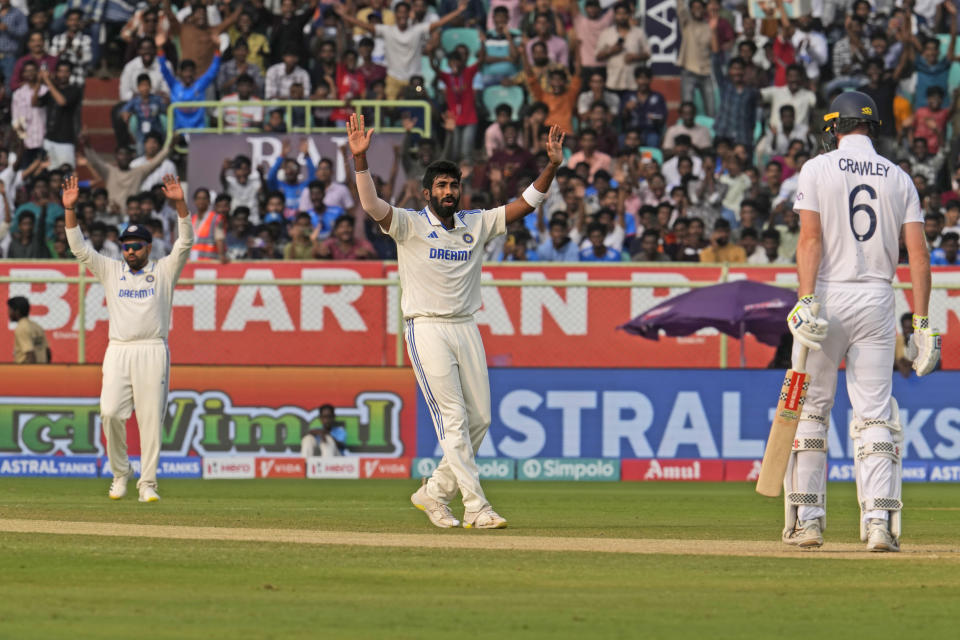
(139, 304)
(863, 199)
(440, 268)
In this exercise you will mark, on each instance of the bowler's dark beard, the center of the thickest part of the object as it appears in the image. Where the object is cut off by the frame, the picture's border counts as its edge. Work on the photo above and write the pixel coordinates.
(136, 264)
(444, 210)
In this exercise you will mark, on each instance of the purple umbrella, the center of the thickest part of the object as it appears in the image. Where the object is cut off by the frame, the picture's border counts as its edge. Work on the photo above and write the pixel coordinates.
(735, 308)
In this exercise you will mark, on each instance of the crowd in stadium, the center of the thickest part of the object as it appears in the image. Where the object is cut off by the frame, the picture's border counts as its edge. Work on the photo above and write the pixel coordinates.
(710, 178)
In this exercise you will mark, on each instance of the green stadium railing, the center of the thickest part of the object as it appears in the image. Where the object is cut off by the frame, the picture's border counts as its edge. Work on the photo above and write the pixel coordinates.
(378, 107)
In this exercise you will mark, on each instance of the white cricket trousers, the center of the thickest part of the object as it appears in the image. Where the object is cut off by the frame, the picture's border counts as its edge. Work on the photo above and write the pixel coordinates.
(136, 375)
(451, 369)
(862, 330)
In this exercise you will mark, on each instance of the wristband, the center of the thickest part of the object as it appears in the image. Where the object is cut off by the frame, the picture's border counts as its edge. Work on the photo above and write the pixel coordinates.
(921, 322)
(533, 197)
(806, 300)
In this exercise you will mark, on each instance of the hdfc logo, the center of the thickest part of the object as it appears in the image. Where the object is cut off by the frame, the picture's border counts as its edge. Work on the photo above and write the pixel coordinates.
(228, 468)
(281, 467)
(385, 468)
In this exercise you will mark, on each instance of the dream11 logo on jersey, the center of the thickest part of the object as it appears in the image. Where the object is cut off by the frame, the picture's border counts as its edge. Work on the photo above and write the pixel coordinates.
(206, 424)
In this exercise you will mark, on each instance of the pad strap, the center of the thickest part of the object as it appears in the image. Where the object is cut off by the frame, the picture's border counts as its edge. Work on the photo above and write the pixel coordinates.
(886, 449)
(881, 504)
(810, 444)
(812, 417)
(859, 425)
(799, 498)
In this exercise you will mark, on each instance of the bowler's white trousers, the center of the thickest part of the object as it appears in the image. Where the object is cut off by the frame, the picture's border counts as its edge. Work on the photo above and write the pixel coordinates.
(451, 369)
(862, 330)
(136, 375)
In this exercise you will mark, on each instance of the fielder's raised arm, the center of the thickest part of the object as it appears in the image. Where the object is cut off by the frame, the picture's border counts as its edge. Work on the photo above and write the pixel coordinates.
(359, 140)
(536, 193)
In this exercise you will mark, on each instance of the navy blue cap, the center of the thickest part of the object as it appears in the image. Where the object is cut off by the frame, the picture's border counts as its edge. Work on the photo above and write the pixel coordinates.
(136, 232)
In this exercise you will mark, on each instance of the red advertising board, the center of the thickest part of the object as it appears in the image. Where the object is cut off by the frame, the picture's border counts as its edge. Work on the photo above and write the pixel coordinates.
(284, 324)
(385, 468)
(741, 470)
(659, 470)
(214, 411)
(281, 467)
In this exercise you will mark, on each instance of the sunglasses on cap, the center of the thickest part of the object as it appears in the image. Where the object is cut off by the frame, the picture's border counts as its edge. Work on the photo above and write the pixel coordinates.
(133, 246)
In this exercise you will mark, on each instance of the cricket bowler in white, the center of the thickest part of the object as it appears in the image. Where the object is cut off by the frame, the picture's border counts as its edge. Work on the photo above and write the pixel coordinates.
(440, 254)
(853, 205)
(136, 365)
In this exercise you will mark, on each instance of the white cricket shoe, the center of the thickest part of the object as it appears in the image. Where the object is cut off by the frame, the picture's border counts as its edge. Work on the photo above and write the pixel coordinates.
(486, 518)
(149, 494)
(118, 488)
(439, 513)
(879, 537)
(806, 535)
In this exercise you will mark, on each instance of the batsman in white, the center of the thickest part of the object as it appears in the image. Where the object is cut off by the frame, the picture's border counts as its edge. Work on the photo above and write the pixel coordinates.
(440, 252)
(853, 205)
(136, 365)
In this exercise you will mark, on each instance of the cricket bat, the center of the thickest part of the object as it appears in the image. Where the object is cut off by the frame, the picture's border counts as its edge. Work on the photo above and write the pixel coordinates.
(784, 427)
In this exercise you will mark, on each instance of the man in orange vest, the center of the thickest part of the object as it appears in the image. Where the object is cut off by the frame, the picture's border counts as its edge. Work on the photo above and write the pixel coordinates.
(210, 228)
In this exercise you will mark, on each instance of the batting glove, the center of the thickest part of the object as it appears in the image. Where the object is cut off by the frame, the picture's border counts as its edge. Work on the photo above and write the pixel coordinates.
(924, 346)
(806, 327)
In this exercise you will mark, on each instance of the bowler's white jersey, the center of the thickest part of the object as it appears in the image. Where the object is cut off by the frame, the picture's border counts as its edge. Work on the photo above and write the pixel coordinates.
(863, 200)
(139, 304)
(440, 268)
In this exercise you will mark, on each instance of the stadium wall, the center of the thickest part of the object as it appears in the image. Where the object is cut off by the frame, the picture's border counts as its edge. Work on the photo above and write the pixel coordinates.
(548, 424)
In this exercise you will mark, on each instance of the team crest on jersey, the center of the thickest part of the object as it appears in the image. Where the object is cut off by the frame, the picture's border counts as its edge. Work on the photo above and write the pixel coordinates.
(150, 278)
(468, 238)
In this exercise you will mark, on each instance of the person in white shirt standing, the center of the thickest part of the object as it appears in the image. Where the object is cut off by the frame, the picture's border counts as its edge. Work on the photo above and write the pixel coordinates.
(440, 253)
(853, 205)
(136, 365)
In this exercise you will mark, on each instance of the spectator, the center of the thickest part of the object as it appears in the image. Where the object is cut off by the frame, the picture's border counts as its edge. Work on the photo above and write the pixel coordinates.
(782, 49)
(922, 163)
(287, 29)
(932, 227)
(789, 234)
(99, 239)
(328, 440)
(122, 179)
(699, 135)
(12, 36)
(28, 242)
(150, 28)
(421, 12)
(159, 248)
(558, 247)
(588, 153)
(301, 245)
(325, 66)
(646, 110)
(646, 248)
(598, 251)
(379, 9)
(737, 115)
(336, 195)
(561, 98)
(849, 56)
(543, 31)
(29, 117)
(622, 47)
(931, 69)
(749, 240)
(243, 117)
(900, 361)
(779, 139)
(36, 53)
(29, 341)
(291, 186)
(403, 42)
(461, 100)
(239, 65)
(242, 185)
(720, 249)
(148, 63)
(596, 92)
(263, 246)
(145, 109)
(683, 148)
(493, 135)
(951, 217)
(238, 235)
(810, 46)
(210, 227)
(200, 42)
(930, 121)
(321, 218)
(152, 146)
(343, 243)
(736, 183)
(946, 253)
(284, 74)
(147, 22)
(74, 47)
(372, 72)
(588, 26)
(753, 75)
(516, 247)
(188, 88)
(507, 164)
(794, 94)
(257, 43)
(61, 100)
(694, 56)
(770, 253)
(883, 89)
(350, 82)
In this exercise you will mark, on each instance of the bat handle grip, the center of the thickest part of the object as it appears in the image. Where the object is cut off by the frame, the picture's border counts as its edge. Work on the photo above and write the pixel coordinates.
(804, 350)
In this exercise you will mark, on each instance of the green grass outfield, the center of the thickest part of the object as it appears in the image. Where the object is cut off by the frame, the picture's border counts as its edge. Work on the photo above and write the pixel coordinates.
(72, 585)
